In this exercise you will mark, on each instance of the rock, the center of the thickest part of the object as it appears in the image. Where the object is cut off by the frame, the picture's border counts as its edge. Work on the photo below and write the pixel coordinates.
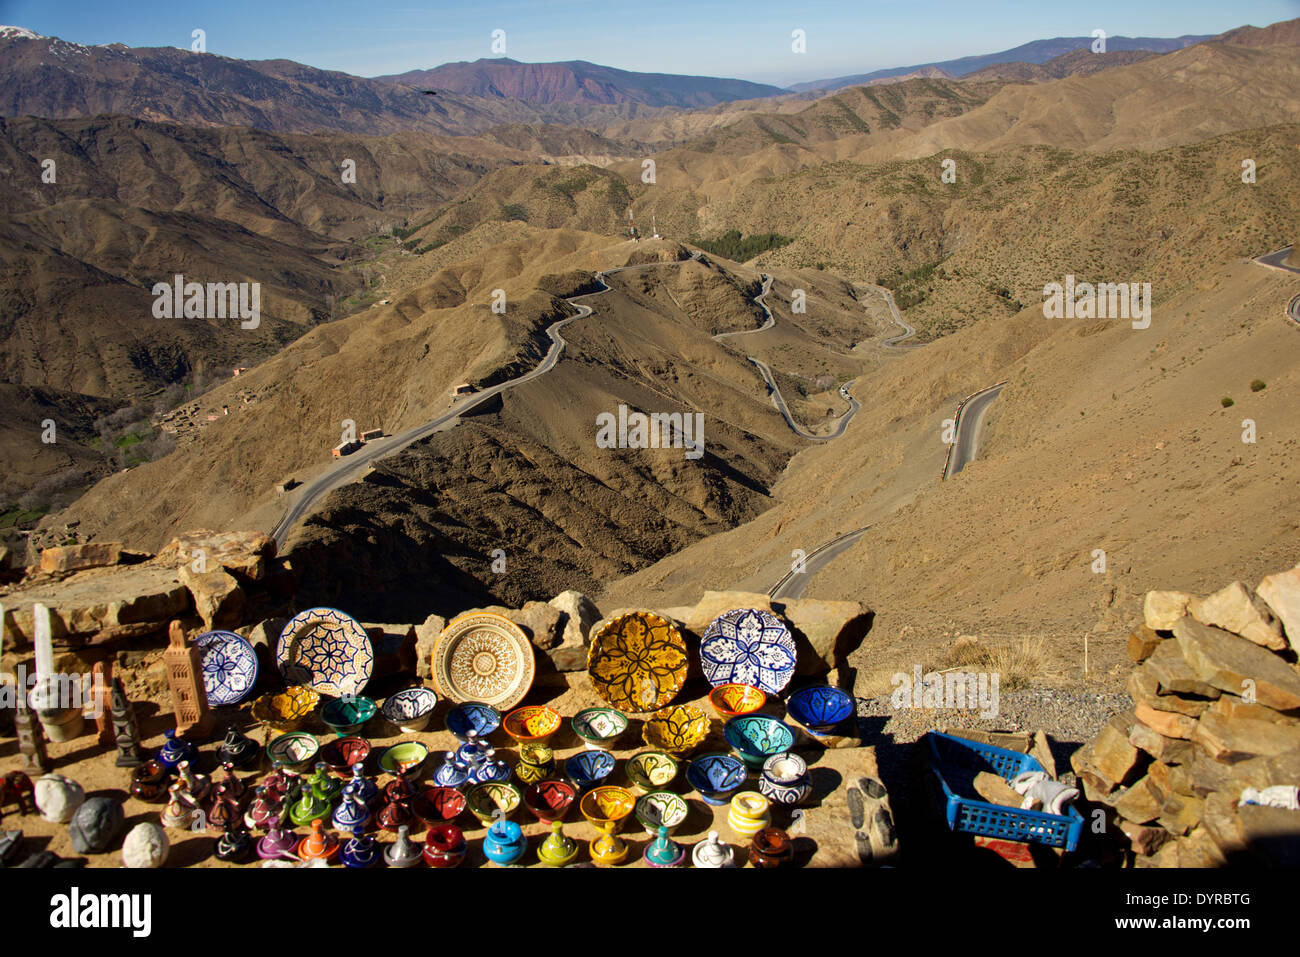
(1145, 687)
(1227, 662)
(1173, 675)
(425, 635)
(1199, 850)
(825, 632)
(91, 602)
(394, 648)
(1160, 747)
(146, 845)
(578, 616)
(1020, 741)
(218, 597)
(57, 797)
(1233, 609)
(1167, 723)
(1202, 776)
(96, 825)
(1221, 823)
(715, 603)
(1142, 641)
(1145, 840)
(244, 553)
(264, 636)
(73, 558)
(1114, 757)
(1231, 741)
(994, 789)
(542, 622)
(1141, 803)
(1162, 608)
(1232, 707)
(1282, 594)
(1271, 834)
(1181, 813)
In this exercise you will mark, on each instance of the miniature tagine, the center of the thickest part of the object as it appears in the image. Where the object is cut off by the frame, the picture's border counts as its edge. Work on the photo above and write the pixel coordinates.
(319, 845)
(234, 846)
(364, 788)
(713, 853)
(181, 810)
(664, 851)
(444, 846)
(403, 852)
(608, 849)
(325, 786)
(352, 813)
(505, 843)
(309, 807)
(175, 750)
(278, 844)
(361, 851)
(239, 749)
(196, 784)
(265, 806)
(557, 850)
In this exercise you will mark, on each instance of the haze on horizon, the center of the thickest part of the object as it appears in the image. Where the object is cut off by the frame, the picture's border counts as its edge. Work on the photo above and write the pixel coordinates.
(723, 38)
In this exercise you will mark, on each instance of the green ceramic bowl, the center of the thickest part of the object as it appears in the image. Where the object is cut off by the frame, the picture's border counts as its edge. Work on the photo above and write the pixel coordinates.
(347, 716)
(408, 755)
(599, 727)
(295, 750)
(491, 796)
(652, 770)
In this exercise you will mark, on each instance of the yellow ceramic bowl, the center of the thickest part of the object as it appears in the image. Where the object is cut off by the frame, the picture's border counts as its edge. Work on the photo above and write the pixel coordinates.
(288, 709)
(607, 805)
(532, 724)
(678, 730)
(733, 700)
(491, 796)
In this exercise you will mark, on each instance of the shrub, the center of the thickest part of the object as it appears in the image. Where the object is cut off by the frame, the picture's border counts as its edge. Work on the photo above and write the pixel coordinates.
(1258, 385)
(1226, 402)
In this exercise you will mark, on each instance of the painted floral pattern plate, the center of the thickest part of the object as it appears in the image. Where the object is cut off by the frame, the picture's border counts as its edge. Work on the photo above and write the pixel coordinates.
(748, 646)
(325, 650)
(483, 657)
(229, 666)
(637, 662)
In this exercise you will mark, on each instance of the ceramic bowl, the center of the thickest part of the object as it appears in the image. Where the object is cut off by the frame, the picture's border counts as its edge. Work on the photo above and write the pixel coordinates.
(532, 724)
(438, 805)
(550, 800)
(340, 754)
(586, 769)
(678, 730)
(607, 805)
(756, 737)
(347, 716)
(410, 710)
(295, 750)
(651, 770)
(715, 777)
(820, 708)
(661, 809)
(785, 779)
(286, 710)
(406, 755)
(734, 700)
(474, 716)
(599, 727)
(483, 799)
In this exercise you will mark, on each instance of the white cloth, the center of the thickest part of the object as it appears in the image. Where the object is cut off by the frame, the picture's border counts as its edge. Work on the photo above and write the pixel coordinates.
(1278, 795)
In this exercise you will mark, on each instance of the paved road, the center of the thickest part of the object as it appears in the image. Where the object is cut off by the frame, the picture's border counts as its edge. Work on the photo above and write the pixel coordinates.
(969, 421)
(1277, 260)
(792, 583)
(1293, 309)
(894, 342)
(760, 299)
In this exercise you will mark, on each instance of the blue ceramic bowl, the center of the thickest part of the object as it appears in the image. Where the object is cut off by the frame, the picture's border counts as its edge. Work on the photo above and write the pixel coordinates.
(756, 737)
(474, 716)
(716, 776)
(347, 716)
(820, 708)
(586, 769)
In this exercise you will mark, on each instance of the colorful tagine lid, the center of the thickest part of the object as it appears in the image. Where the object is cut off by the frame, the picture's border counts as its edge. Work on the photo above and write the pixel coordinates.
(352, 812)
(278, 842)
(196, 784)
(664, 851)
(324, 785)
(239, 749)
(262, 809)
(308, 807)
(713, 853)
(364, 788)
(320, 844)
(558, 849)
(175, 750)
(609, 847)
(361, 850)
(403, 852)
(234, 846)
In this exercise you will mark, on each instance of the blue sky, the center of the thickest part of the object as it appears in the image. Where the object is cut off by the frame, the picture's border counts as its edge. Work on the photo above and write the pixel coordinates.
(750, 40)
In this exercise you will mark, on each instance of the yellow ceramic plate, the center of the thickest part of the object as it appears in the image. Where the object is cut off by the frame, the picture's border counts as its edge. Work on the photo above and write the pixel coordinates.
(678, 730)
(637, 661)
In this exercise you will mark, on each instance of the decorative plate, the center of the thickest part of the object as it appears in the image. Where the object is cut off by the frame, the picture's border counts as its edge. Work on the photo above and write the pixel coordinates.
(748, 646)
(325, 650)
(229, 666)
(678, 730)
(483, 657)
(637, 661)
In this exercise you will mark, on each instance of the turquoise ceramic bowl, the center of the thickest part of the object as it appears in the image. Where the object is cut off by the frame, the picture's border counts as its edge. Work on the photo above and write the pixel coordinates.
(756, 737)
(347, 716)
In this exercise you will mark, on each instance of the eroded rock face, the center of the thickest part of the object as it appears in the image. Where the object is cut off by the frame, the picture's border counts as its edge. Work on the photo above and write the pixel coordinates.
(99, 600)
(218, 596)
(1229, 663)
(1162, 608)
(72, 558)
(425, 636)
(578, 614)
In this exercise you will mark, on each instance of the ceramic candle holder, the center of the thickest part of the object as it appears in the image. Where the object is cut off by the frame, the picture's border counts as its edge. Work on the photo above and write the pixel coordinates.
(536, 763)
(748, 814)
(785, 779)
(771, 847)
(444, 846)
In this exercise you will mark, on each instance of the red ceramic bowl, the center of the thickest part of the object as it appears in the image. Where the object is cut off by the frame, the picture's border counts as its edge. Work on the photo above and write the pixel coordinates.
(734, 700)
(550, 800)
(532, 724)
(341, 753)
(438, 805)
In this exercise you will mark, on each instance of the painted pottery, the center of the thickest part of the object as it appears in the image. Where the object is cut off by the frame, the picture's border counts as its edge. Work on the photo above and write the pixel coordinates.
(661, 809)
(309, 808)
(733, 700)
(288, 709)
(679, 730)
(599, 727)
(175, 749)
(364, 788)
(785, 779)
(550, 800)
(474, 762)
(229, 666)
(278, 843)
(716, 776)
(557, 850)
(295, 750)
(408, 757)
(341, 754)
(451, 773)
(196, 784)
(532, 724)
(411, 709)
(637, 661)
(326, 786)
(820, 708)
(327, 651)
(651, 770)
(346, 716)
(483, 657)
(504, 843)
(234, 846)
(713, 853)
(536, 763)
(352, 813)
(608, 849)
(663, 851)
(319, 845)
(493, 799)
(748, 814)
(362, 850)
(586, 769)
(181, 811)
(230, 784)
(608, 804)
(444, 846)
(239, 749)
(149, 782)
(438, 805)
(403, 852)
(264, 806)
(771, 847)
(475, 716)
(756, 737)
(748, 646)
(395, 814)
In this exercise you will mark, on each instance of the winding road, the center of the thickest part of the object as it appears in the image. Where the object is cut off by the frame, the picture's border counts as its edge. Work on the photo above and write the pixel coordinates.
(970, 418)
(1277, 260)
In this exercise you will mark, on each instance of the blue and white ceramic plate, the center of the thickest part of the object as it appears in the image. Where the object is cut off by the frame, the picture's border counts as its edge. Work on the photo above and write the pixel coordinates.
(326, 650)
(748, 646)
(229, 666)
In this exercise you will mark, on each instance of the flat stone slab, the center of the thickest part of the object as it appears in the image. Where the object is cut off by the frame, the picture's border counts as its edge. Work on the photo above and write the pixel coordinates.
(1232, 664)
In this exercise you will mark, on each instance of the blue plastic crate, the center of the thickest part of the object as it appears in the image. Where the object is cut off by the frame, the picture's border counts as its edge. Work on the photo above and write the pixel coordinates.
(967, 813)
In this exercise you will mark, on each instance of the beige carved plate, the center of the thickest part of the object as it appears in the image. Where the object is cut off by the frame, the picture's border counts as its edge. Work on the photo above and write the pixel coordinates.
(483, 657)
(637, 661)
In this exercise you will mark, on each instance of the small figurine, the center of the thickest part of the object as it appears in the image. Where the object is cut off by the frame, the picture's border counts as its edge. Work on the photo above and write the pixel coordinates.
(175, 750)
(239, 749)
(319, 844)
(279, 782)
(278, 843)
(230, 785)
(664, 851)
(352, 813)
(17, 787)
(394, 815)
(444, 846)
(185, 678)
(31, 740)
(181, 811)
(361, 851)
(403, 852)
(126, 734)
(557, 850)
(234, 846)
(197, 785)
(713, 853)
